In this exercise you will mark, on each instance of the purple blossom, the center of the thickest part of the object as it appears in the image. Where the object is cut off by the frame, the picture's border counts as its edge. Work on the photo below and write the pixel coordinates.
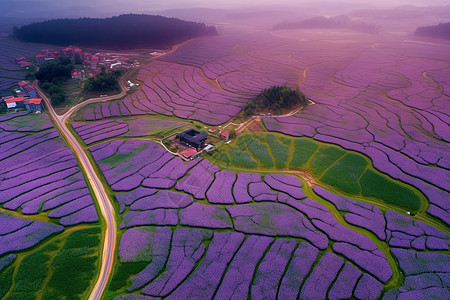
(345, 282)
(220, 190)
(203, 282)
(236, 281)
(85, 215)
(271, 269)
(144, 243)
(208, 216)
(316, 285)
(162, 199)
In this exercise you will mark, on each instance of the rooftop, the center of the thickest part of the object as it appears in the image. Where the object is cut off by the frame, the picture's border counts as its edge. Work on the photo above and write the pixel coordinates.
(23, 83)
(188, 153)
(33, 101)
(193, 136)
(14, 99)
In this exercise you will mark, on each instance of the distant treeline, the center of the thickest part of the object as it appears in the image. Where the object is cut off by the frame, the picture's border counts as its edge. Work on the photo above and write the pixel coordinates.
(338, 22)
(122, 32)
(441, 31)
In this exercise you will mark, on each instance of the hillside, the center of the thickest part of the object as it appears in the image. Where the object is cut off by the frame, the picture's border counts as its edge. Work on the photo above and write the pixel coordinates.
(338, 22)
(120, 32)
(438, 31)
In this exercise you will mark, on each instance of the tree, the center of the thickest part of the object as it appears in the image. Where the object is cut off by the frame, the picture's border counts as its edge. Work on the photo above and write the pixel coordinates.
(275, 99)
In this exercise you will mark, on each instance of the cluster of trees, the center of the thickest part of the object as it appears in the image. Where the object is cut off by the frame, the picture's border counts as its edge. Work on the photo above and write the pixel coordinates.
(103, 82)
(439, 31)
(52, 75)
(120, 32)
(275, 99)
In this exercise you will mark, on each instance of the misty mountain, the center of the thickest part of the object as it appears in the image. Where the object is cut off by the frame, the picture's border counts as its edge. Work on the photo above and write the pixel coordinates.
(441, 31)
(121, 32)
(338, 22)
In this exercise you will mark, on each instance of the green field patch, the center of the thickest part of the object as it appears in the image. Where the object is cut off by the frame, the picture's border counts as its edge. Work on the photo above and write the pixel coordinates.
(123, 273)
(242, 159)
(124, 157)
(391, 192)
(259, 150)
(74, 266)
(345, 173)
(303, 151)
(280, 152)
(324, 158)
(30, 274)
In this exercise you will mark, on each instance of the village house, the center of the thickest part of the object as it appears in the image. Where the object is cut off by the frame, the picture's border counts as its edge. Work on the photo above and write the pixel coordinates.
(225, 134)
(40, 59)
(33, 104)
(14, 102)
(193, 138)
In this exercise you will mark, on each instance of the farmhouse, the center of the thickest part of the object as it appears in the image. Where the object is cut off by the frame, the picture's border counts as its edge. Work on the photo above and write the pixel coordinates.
(193, 138)
(189, 153)
(14, 102)
(33, 104)
(224, 134)
(40, 58)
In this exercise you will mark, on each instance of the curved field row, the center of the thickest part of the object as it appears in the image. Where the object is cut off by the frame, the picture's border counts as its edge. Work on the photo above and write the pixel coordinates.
(10, 71)
(239, 220)
(40, 174)
(347, 171)
(41, 186)
(387, 102)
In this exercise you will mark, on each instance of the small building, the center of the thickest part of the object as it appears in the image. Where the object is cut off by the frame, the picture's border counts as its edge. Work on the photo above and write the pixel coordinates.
(24, 63)
(14, 102)
(193, 138)
(40, 58)
(23, 94)
(212, 129)
(224, 134)
(189, 153)
(22, 85)
(31, 90)
(33, 104)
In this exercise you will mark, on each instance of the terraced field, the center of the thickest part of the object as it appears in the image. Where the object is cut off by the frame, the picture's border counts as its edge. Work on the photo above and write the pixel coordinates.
(50, 231)
(310, 205)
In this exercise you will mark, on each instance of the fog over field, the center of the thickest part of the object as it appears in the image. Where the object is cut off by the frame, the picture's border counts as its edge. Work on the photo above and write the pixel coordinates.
(294, 150)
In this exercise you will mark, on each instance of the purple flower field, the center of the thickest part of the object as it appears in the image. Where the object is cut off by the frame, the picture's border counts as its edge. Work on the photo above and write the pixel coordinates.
(40, 174)
(244, 221)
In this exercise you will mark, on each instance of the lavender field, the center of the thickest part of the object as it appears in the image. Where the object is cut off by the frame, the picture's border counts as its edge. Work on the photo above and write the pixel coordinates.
(325, 192)
(181, 222)
(45, 212)
(345, 197)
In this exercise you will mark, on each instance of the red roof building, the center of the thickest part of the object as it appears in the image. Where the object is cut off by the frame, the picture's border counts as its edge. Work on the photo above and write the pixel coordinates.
(188, 153)
(14, 102)
(212, 129)
(224, 134)
(33, 101)
(25, 63)
(40, 58)
(23, 83)
(20, 58)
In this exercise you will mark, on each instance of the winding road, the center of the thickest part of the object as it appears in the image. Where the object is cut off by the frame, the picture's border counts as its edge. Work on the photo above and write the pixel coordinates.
(103, 200)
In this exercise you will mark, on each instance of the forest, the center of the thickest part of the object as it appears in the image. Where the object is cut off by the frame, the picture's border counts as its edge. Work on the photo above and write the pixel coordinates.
(129, 31)
(438, 31)
(275, 99)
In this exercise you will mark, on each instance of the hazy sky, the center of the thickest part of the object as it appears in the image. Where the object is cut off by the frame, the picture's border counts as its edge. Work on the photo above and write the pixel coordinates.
(165, 4)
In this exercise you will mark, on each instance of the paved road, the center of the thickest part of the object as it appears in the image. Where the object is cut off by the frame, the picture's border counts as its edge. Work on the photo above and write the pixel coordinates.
(103, 201)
